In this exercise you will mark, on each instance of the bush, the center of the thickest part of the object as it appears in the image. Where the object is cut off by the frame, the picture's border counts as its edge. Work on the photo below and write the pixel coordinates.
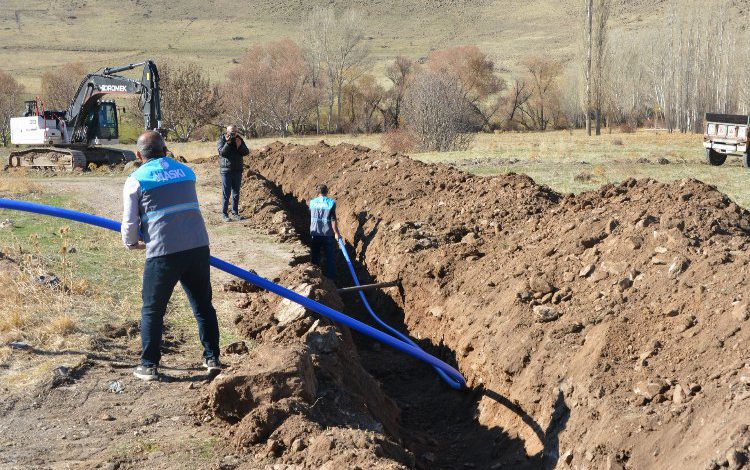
(437, 114)
(399, 141)
(627, 128)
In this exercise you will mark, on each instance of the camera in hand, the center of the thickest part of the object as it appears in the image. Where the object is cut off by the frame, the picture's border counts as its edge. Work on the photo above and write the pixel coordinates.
(231, 135)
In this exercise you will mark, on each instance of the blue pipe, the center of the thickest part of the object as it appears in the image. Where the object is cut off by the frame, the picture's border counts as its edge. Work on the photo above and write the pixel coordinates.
(450, 381)
(258, 281)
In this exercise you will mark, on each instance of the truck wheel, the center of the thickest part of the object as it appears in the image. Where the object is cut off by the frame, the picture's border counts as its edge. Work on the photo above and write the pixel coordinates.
(746, 160)
(715, 158)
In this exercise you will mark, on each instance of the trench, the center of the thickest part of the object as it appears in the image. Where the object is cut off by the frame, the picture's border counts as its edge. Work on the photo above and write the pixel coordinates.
(439, 425)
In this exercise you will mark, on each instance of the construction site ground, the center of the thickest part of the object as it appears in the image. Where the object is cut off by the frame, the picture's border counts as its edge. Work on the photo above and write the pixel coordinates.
(603, 330)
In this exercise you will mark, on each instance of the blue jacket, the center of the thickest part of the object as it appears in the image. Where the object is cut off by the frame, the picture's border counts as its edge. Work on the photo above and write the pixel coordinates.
(322, 213)
(160, 200)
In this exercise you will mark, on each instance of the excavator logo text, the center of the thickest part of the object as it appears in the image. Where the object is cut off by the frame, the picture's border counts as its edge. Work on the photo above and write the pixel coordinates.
(114, 88)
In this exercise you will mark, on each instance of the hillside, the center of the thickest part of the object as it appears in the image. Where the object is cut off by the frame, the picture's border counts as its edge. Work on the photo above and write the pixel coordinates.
(36, 35)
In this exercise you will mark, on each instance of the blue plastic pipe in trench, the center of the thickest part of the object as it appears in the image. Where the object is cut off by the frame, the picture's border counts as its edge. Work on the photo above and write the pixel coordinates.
(454, 378)
(446, 377)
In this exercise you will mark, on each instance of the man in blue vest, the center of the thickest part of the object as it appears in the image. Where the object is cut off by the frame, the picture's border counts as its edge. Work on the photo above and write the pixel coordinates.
(162, 216)
(323, 229)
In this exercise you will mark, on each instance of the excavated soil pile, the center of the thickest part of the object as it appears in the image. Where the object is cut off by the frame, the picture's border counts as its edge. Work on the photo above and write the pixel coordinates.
(301, 399)
(608, 329)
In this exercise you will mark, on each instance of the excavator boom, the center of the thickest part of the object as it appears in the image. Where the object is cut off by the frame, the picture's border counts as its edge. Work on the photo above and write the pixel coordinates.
(72, 138)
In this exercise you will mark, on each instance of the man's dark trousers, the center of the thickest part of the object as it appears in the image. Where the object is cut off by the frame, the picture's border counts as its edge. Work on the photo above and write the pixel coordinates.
(319, 242)
(161, 273)
(230, 183)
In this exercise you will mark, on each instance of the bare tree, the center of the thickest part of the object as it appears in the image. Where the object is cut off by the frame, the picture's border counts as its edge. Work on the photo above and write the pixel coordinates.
(364, 98)
(437, 114)
(60, 85)
(599, 72)
(10, 104)
(589, 47)
(518, 97)
(480, 85)
(400, 73)
(189, 99)
(542, 107)
(338, 41)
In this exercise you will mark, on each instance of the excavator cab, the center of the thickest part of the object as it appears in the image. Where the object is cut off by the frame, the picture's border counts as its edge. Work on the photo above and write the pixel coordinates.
(101, 124)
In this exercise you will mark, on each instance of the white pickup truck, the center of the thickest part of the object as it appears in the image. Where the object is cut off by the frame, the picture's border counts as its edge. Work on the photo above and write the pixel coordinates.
(726, 134)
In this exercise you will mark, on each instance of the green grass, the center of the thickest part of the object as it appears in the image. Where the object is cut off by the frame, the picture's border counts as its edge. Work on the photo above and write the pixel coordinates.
(107, 274)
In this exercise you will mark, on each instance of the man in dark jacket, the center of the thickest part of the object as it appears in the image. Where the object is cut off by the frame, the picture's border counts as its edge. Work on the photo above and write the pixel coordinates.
(231, 150)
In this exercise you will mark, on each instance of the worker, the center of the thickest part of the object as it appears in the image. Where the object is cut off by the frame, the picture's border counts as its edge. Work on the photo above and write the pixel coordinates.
(161, 203)
(323, 229)
(231, 150)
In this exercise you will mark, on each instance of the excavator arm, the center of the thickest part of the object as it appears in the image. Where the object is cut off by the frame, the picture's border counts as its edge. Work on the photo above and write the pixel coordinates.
(104, 82)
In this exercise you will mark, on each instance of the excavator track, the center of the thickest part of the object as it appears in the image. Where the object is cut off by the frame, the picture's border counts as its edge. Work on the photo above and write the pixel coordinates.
(67, 158)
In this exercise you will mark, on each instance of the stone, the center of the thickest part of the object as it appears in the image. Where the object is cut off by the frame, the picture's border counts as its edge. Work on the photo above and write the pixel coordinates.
(650, 389)
(694, 388)
(678, 394)
(586, 270)
(568, 276)
(614, 268)
(567, 457)
(238, 347)
(287, 311)
(545, 313)
(541, 285)
(625, 283)
(436, 311)
(278, 217)
(298, 445)
(740, 312)
(106, 417)
(678, 266)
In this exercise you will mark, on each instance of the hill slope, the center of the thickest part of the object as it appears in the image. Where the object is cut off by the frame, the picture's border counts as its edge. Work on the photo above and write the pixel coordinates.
(36, 35)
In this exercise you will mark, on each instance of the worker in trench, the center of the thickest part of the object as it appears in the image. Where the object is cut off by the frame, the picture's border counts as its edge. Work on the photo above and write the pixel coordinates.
(231, 149)
(160, 202)
(324, 231)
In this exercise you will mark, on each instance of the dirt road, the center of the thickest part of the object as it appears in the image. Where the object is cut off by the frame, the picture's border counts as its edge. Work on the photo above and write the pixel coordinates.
(91, 412)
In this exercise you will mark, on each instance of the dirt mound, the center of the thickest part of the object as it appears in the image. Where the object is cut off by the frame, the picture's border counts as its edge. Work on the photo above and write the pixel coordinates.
(302, 398)
(622, 307)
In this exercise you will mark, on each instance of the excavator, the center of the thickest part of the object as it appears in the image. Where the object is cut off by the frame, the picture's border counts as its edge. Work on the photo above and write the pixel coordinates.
(77, 137)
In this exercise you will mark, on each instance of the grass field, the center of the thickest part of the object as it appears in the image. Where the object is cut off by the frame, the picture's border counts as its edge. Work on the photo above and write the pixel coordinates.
(37, 35)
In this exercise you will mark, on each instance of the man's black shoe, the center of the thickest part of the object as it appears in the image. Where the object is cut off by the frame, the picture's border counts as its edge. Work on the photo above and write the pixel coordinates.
(146, 372)
(225, 218)
(213, 365)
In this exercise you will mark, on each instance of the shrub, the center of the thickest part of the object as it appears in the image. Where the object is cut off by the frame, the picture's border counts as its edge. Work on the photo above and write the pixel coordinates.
(398, 140)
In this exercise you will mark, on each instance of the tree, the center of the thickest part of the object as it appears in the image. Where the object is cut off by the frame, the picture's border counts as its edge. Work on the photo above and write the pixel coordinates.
(60, 85)
(589, 47)
(271, 89)
(10, 104)
(338, 42)
(400, 73)
(475, 72)
(365, 97)
(436, 112)
(600, 46)
(541, 107)
(188, 99)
